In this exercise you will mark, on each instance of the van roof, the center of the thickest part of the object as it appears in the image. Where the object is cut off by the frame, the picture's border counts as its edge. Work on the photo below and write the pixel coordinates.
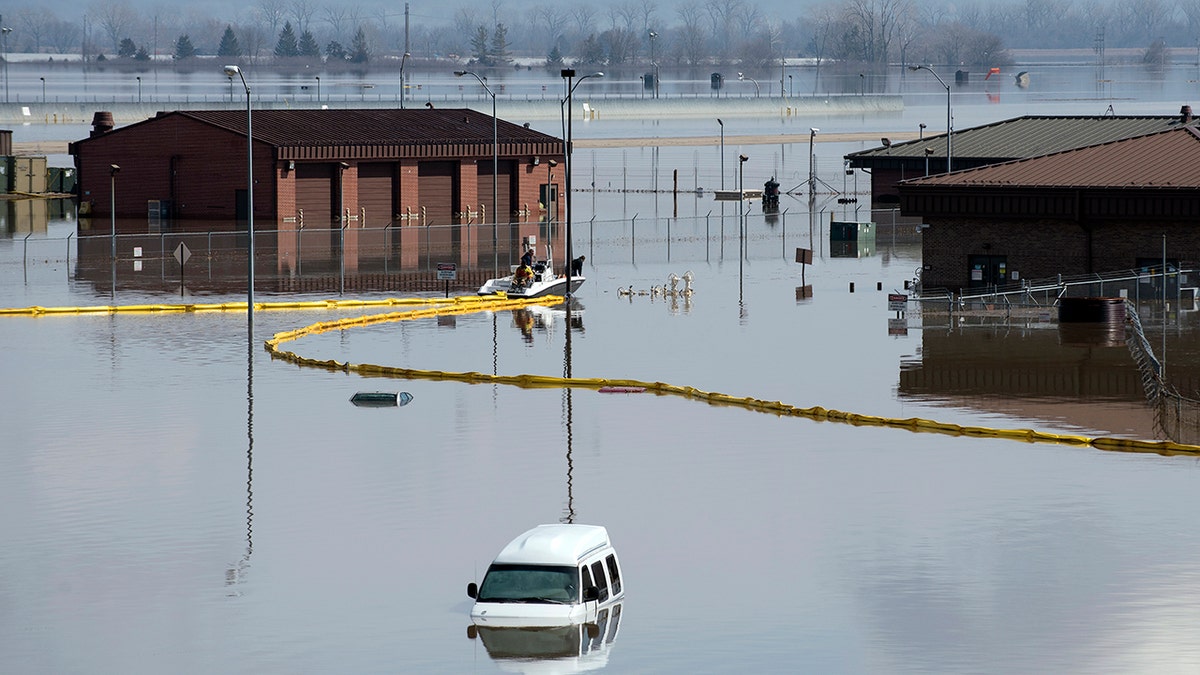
(555, 544)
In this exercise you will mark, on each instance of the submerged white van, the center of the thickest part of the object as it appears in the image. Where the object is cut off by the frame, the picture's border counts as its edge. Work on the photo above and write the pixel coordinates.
(552, 575)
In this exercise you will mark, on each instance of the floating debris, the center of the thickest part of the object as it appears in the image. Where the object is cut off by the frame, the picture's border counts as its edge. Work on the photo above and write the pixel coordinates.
(381, 399)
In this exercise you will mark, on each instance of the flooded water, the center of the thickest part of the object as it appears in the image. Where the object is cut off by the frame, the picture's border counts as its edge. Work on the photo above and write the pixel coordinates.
(177, 500)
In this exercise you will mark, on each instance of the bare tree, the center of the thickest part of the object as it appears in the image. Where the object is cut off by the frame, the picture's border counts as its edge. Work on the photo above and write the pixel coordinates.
(584, 17)
(690, 40)
(339, 17)
(114, 18)
(302, 11)
(271, 14)
(552, 19)
(36, 23)
(64, 37)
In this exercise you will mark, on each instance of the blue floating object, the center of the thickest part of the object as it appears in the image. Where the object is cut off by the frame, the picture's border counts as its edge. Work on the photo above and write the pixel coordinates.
(405, 398)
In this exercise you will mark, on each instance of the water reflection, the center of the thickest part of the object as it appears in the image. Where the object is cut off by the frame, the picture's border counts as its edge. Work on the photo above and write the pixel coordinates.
(560, 649)
(236, 574)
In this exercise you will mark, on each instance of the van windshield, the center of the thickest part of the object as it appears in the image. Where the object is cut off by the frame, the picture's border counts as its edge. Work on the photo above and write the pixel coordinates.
(530, 583)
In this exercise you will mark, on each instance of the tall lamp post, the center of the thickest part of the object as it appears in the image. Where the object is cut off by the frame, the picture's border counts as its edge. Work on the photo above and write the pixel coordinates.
(495, 167)
(230, 71)
(654, 61)
(402, 60)
(44, 87)
(112, 204)
(757, 91)
(722, 124)
(4, 32)
(318, 79)
(568, 74)
(949, 130)
(812, 176)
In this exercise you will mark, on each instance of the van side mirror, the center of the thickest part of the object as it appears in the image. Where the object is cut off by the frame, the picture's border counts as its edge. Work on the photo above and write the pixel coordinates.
(472, 590)
(591, 594)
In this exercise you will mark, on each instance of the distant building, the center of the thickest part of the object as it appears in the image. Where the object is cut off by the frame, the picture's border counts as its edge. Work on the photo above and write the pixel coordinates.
(1003, 141)
(371, 167)
(1099, 208)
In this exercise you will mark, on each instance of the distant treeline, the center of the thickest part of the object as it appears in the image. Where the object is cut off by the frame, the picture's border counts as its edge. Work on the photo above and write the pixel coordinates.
(623, 33)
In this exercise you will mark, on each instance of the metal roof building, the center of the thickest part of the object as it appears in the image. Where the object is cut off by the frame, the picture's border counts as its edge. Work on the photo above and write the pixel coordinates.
(1102, 207)
(317, 167)
(1016, 138)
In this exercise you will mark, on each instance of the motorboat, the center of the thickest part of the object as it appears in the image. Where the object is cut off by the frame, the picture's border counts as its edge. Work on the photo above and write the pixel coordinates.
(544, 280)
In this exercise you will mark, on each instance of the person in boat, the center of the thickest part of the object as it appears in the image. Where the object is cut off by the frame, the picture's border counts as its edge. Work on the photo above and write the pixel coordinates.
(527, 258)
(523, 276)
(577, 266)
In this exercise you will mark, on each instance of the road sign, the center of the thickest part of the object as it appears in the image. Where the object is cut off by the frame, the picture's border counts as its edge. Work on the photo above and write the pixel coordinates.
(182, 253)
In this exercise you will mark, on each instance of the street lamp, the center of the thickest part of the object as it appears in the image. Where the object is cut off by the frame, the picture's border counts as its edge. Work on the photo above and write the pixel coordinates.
(789, 85)
(43, 88)
(949, 130)
(756, 89)
(5, 31)
(402, 60)
(495, 167)
(722, 152)
(921, 136)
(230, 71)
(812, 177)
(568, 74)
(112, 204)
(139, 81)
(318, 79)
(654, 61)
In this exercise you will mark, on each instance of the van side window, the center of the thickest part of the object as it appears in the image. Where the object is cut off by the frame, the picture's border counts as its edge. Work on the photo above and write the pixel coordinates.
(587, 579)
(601, 583)
(613, 573)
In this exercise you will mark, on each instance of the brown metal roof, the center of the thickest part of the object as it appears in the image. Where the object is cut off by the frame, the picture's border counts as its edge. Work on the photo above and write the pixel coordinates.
(1167, 159)
(1017, 138)
(374, 126)
(373, 132)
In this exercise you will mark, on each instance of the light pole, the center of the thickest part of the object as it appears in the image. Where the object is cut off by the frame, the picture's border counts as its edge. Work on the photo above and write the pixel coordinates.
(495, 167)
(112, 204)
(722, 152)
(921, 136)
(318, 79)
(949, 130)
(139, 81)
(230, 71)
(402, 60)
(812, 176)
(550, 200)
(568, 74)
(789, 85)
(757, 91)
(654, 61)
(741, 209)
(5, 31)
(44, 88)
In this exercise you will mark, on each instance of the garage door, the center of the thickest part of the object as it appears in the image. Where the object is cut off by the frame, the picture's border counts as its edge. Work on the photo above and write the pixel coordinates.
(314, 194)
(504, 185)
(437, 191)
(376, 193)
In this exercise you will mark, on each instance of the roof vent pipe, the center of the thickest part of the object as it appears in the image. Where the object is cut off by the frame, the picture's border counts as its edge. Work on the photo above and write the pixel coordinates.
(102, 123)
(1185, 114)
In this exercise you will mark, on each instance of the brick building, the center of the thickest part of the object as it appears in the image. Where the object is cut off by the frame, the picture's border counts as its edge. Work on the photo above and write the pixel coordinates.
(370, 167)
(1093, 209)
